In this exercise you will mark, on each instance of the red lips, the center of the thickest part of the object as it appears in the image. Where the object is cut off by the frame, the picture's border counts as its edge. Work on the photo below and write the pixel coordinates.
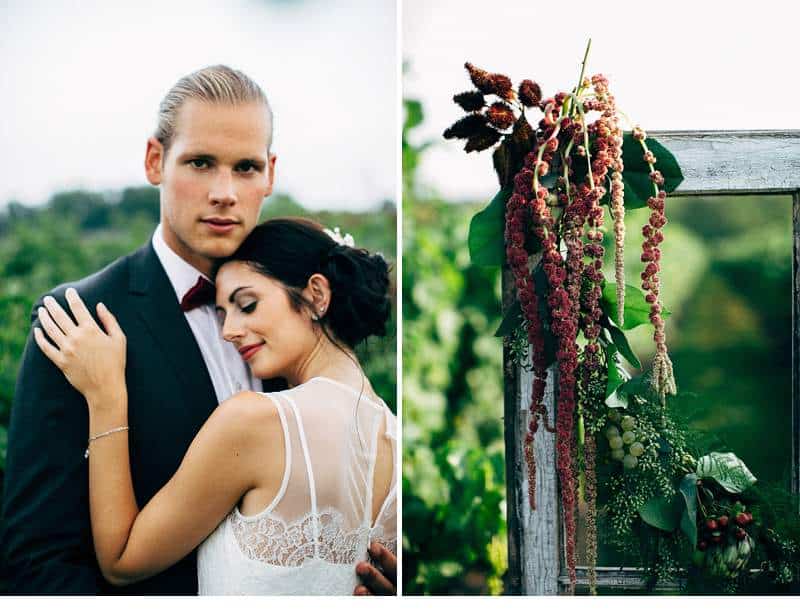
(248, 351)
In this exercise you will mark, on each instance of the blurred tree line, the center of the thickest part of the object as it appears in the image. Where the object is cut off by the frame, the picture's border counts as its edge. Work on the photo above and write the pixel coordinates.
(79, 232)
(454, 539)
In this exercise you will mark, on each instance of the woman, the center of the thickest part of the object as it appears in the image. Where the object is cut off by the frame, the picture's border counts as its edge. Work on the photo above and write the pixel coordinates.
(284, 490)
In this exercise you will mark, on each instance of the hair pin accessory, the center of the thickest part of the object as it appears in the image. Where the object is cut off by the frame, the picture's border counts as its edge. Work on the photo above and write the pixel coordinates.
(342, 240)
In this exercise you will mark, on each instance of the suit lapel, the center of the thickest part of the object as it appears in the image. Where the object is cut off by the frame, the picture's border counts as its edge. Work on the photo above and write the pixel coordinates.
(154, 298)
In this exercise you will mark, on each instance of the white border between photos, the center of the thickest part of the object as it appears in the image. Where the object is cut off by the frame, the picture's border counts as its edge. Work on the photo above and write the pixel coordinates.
(398, 135)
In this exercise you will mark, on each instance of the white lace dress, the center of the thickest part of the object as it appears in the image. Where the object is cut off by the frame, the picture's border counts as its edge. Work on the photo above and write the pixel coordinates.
(311, 536)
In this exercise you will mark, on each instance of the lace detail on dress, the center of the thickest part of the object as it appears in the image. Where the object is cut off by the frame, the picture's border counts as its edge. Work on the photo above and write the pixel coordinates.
(377, 535)
(271, 540)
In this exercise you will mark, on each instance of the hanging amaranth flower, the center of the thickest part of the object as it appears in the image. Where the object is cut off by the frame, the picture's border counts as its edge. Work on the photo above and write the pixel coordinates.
(663, 378)
(517, 220)
(611, 130)
(590, 457)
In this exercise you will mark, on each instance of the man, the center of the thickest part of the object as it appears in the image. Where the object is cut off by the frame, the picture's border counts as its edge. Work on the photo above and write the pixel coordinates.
(210, 157)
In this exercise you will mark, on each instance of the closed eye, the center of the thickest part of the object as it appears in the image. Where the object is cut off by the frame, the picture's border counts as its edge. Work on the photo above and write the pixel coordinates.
(249, 308)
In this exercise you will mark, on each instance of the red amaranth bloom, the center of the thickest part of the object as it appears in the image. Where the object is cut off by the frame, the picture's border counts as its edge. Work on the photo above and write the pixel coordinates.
(500, 115)
(530, 93)
(466, 127)
(479, 78)
(502, 86)
(471, 101)
(488, 83)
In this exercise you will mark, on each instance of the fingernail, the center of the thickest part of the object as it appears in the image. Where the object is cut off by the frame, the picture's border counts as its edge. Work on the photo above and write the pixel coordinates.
(362, 569)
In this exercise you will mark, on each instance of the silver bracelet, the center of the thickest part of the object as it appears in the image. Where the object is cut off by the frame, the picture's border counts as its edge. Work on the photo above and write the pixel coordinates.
(101, 435)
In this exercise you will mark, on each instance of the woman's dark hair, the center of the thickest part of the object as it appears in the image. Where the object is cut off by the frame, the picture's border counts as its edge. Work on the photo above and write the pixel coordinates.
(291, 250)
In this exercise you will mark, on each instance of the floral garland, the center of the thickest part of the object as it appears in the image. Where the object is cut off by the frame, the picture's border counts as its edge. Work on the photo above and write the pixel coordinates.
(556, 180)
(568, 211)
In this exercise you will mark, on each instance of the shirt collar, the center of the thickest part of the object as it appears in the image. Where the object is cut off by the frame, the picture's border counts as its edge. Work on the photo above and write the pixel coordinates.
(181, 274)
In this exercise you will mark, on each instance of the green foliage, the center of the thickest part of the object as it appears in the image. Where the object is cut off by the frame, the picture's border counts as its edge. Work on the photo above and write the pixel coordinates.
(636, 174)
(663, 513)
(453, 451)
(637, 310)
(727, 470)
(484, 246)
(620, 341)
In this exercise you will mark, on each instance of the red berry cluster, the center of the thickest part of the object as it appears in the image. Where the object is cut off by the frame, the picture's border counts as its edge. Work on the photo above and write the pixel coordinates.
(718, 529)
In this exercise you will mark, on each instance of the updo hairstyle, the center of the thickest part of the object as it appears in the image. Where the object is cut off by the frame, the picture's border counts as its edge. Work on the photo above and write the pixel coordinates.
(291, 250)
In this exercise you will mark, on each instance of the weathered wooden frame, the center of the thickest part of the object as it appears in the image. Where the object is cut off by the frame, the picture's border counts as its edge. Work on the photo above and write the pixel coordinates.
(713, 163)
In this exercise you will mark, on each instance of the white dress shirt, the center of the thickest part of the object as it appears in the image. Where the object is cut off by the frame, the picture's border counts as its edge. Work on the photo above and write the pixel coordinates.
(227, 370)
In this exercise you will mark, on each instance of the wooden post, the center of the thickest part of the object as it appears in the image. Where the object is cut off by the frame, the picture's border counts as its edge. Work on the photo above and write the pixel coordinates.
(713, 163)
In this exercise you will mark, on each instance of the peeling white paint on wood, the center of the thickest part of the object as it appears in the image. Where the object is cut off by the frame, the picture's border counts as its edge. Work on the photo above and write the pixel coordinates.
(540, 544)
(734, 162)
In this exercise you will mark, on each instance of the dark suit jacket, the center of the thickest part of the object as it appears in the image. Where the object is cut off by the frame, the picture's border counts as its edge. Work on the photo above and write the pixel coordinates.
(47, 539)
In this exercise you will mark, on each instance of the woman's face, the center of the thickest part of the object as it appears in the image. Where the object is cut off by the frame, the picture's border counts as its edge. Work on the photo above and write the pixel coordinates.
(273, 338)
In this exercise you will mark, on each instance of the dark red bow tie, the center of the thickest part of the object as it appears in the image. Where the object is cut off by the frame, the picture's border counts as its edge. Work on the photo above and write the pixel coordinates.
(202, 293)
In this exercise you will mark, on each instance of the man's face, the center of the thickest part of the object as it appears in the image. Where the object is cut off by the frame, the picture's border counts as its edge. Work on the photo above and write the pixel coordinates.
(213, 178)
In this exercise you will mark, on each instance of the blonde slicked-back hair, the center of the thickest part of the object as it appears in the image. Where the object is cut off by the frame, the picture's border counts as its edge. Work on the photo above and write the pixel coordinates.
(214, 84)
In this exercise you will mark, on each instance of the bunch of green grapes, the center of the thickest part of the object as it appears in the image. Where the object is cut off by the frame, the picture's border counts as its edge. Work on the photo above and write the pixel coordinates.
(625, 439)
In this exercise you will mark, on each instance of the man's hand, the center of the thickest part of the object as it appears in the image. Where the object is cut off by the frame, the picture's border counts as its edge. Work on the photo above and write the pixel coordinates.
(378, 582)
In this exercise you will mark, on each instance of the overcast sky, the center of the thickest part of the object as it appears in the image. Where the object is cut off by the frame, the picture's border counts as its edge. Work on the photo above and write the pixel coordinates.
(683, 64)
(81, 84)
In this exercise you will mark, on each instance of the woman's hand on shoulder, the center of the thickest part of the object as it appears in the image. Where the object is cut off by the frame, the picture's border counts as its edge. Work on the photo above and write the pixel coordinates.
(91, 358)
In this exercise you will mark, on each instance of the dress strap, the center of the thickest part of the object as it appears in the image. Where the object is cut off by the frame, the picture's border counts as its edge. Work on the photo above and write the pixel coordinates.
(373, 458)
(287, 445)
(312, 488)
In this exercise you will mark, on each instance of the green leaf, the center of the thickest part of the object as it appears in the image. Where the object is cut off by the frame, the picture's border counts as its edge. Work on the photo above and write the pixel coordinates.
(662, 513)
(688, 489)
(727, 470)
(414, 114)
(512, 320)
(637, 309)
(636, 174)
(486, 240)
(620, 341)
(615, 376)
(617, 400)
